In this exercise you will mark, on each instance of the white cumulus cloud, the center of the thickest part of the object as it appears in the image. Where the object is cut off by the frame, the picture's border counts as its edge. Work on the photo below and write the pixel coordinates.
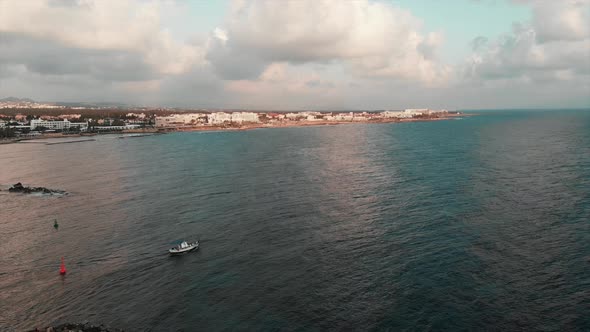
(372, 39)
(560, 20)
(555, 45)
(130, 27)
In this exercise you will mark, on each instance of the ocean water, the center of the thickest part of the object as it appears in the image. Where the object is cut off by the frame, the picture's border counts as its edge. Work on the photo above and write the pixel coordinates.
(480, 223)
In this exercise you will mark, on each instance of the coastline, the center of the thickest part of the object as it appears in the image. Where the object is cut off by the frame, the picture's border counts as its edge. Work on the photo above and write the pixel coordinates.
(291, 124)
(241, 127)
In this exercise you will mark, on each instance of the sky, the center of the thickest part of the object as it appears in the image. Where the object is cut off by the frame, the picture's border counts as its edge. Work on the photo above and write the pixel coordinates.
(299, 54)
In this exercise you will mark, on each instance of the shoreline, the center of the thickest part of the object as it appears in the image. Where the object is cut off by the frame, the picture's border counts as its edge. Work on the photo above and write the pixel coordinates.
(292, 124)
(252, 126)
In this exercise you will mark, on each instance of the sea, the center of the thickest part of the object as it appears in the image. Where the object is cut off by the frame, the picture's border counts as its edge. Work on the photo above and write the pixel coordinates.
(479, 223)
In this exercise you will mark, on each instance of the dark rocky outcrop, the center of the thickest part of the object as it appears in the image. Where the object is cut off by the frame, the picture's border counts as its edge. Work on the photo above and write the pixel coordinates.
(76, 327)
(19, 188)
(16, 188)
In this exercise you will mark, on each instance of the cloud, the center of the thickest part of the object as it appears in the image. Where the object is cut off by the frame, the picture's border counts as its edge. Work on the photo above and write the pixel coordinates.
(372, 39)
(287, 86)
(47, 57)
(560, 20)
(125, 33)
(267, 54)
(555, 45)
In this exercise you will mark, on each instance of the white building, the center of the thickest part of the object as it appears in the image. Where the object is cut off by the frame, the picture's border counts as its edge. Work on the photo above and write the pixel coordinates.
(240, 117)
(401, 114)
(177, 120)
(50, 124)
(410, 112)
(219, 117)
(340, 117)
(360, 117)
(294, 116)
(392, 114)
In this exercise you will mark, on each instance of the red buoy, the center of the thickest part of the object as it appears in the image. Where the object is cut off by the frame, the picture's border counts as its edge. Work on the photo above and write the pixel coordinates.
(62, 268)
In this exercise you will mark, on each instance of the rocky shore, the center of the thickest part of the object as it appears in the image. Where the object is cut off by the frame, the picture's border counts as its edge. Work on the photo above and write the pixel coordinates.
(77, 327)
(19, 188)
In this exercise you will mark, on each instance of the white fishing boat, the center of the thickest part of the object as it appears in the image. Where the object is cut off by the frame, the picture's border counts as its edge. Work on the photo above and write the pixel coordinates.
(184, 247)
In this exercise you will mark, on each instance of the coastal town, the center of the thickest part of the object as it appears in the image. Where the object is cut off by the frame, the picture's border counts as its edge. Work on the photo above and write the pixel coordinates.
(26, 120)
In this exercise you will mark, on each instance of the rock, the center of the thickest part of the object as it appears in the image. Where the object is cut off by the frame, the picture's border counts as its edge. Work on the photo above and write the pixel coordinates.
(84, 327)
(19, 188)
(16, 188)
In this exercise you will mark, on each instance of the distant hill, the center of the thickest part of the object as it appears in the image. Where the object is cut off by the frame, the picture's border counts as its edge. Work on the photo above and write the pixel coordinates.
(91, 104)
(17, 100)
(66, 104)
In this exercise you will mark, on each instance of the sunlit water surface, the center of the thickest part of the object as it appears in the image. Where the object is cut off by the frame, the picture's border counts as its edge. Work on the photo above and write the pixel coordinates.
(472, 224)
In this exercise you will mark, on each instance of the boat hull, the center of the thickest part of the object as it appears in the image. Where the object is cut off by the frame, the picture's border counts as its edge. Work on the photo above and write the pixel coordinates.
(175, 251)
